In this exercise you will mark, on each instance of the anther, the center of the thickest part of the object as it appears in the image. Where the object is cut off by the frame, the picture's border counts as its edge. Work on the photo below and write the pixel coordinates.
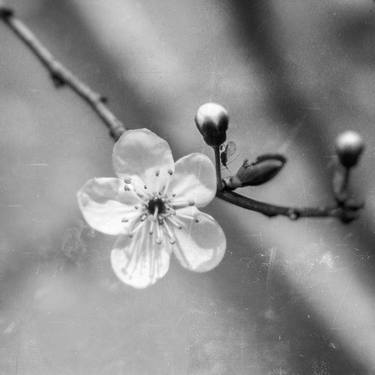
(177, 223)
(145, 187)
(157, 173)
(170, 171)
(124, 220)
(127, 180)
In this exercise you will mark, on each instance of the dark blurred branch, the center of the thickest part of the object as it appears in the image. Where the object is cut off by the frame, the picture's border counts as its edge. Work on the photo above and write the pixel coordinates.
(60, 75)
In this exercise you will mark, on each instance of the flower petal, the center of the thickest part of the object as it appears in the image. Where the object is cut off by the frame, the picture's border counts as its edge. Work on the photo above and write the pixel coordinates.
(143, 155)
(104, 203)
(139, 261)
(194, 179)
(201, 243)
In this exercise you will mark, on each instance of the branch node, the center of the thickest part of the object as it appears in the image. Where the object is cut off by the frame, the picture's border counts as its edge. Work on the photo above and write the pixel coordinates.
(58, 80)
(293, 214)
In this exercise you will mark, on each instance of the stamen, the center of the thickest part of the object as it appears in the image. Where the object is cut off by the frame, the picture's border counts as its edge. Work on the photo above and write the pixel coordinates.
(156, 212)
(128, 180)
(177, 223)
(182, 204)
(172, 239)
(158, 234)
(170, 210)
(157, 173)
(131, 215)
(170, 172)
(136, 229)
(152, 227)
(165, 188)
(185, 216)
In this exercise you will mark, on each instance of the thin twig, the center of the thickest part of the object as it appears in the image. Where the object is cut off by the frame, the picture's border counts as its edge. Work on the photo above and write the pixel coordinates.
(272, 210)
(219, 180)
(60, 75)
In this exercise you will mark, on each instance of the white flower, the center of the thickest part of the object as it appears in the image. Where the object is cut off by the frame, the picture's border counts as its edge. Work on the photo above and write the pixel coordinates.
(153, 208)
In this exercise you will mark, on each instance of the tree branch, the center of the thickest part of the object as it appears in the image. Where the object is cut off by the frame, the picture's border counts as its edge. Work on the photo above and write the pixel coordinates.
(272, 210)
(61, 76)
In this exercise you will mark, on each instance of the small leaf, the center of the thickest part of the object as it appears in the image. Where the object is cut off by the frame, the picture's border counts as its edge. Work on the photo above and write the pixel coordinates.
(265, 168)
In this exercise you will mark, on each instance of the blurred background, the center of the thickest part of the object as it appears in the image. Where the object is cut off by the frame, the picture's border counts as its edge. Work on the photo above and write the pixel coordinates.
(289, 297)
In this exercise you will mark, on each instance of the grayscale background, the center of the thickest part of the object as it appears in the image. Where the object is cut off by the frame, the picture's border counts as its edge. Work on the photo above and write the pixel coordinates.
(289, 297)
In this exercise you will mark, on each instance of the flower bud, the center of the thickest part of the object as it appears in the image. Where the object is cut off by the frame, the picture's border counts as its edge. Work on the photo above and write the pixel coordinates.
(349, 146)
(212, 122)
(261, 171)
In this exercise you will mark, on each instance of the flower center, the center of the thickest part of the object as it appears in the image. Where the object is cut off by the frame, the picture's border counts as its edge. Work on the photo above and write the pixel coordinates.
(156, 204)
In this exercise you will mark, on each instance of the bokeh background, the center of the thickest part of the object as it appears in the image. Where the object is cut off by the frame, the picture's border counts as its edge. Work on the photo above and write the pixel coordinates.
(289, 297)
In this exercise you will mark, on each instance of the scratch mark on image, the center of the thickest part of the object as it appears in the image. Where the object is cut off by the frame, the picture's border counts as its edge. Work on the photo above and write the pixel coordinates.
(270, 268)
(37, 164)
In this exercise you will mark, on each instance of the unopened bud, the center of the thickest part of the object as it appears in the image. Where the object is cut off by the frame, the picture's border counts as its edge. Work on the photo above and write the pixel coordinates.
(212, 122)
(349, 146)
(261, 171)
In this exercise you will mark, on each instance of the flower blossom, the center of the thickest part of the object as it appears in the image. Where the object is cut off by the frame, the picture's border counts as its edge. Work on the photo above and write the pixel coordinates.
(153, 209)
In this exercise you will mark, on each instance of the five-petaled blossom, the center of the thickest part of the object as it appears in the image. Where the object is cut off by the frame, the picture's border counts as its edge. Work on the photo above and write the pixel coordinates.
(153, 207)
